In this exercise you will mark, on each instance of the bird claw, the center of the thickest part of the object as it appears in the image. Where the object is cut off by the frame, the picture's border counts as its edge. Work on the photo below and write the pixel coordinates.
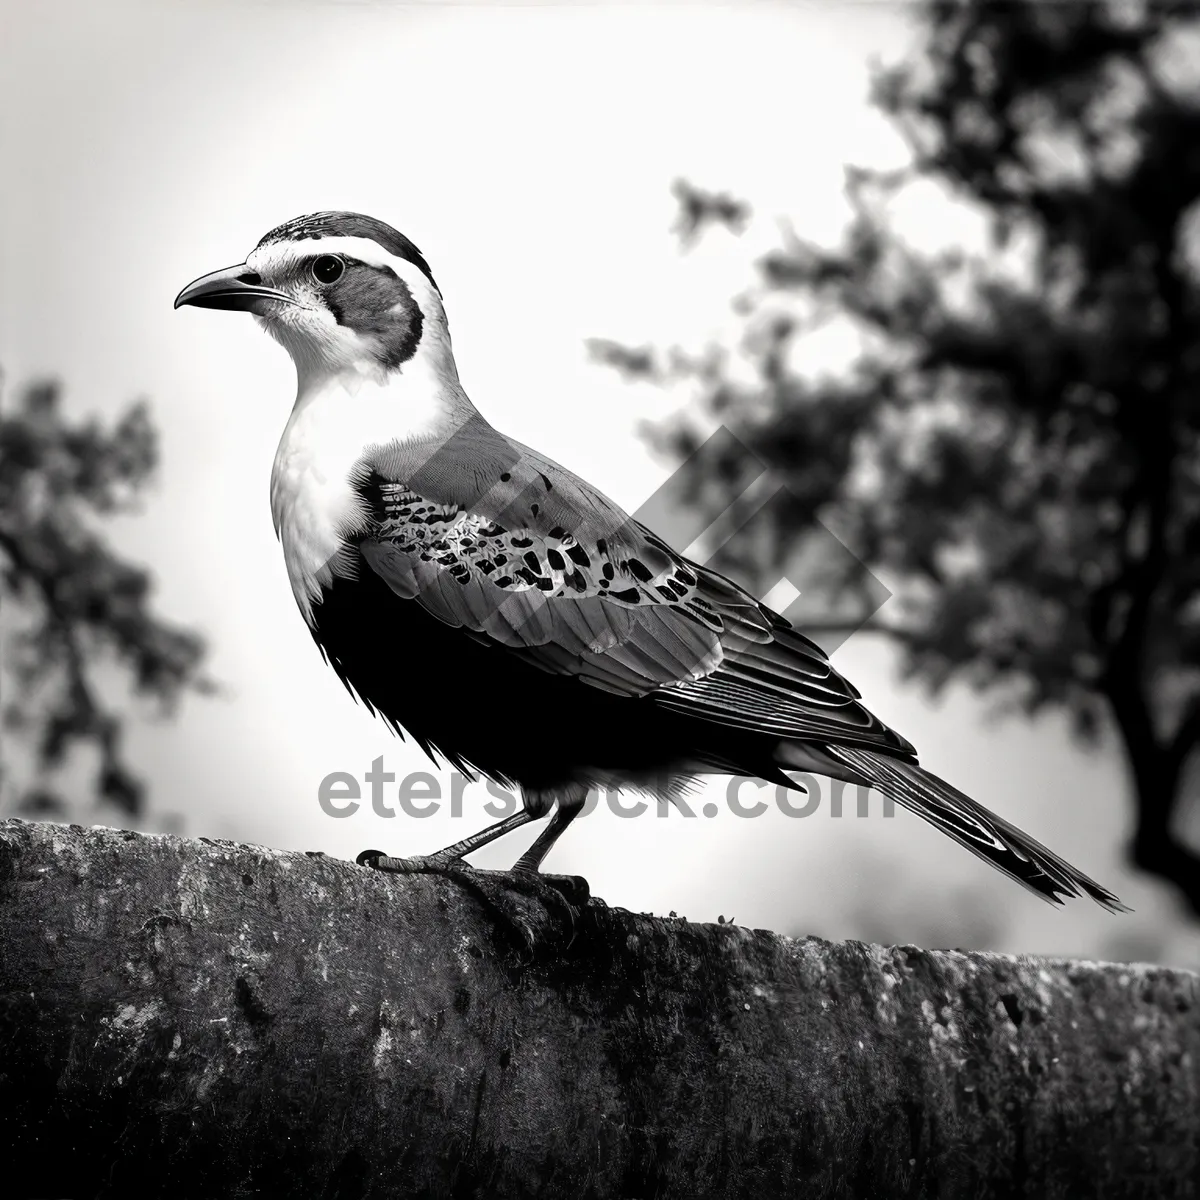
(419, 864)
(538, 910)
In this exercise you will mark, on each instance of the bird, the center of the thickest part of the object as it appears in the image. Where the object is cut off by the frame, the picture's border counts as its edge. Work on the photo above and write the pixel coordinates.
(507, 615)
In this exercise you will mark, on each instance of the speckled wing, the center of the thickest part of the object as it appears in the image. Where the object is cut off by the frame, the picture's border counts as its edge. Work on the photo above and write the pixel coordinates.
(518, 552)
(569, 603)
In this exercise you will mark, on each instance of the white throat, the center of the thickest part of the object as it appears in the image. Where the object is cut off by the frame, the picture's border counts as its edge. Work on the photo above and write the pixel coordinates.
(339, 415)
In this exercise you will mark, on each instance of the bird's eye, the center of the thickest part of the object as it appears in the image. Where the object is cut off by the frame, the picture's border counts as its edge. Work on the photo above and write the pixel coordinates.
(327, 268)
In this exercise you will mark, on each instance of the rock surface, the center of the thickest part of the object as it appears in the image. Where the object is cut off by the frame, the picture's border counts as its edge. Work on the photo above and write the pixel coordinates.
(224, 1020)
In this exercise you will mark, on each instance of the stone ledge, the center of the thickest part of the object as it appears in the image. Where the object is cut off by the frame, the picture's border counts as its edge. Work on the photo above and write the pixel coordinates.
(229, 1020)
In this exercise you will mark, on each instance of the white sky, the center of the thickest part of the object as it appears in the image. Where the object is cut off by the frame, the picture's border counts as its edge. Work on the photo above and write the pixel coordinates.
(528, 152)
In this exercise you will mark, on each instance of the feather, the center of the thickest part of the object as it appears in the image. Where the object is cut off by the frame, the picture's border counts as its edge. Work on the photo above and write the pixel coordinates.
(993, 839)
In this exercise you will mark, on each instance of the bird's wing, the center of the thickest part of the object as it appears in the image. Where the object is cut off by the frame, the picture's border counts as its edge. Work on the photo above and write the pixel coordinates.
(493, 538)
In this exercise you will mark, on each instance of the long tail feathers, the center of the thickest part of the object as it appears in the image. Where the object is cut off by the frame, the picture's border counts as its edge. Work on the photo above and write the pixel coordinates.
(970, 824)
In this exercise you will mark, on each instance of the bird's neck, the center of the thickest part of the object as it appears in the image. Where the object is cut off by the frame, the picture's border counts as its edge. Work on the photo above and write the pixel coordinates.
(339, 418)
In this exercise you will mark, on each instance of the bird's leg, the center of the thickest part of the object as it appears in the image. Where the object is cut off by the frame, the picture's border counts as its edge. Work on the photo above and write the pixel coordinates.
(540, 910)
(537, 909)
(531, 860)
(451, 856)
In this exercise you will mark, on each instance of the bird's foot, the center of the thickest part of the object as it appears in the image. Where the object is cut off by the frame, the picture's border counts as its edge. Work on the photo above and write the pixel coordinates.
(539, 911)
(419, 864)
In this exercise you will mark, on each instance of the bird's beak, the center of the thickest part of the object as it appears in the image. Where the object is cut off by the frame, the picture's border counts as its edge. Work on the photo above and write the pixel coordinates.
(236, 288)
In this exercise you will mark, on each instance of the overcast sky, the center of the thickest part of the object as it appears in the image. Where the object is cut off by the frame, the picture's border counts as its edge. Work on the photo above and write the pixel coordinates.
(529, 152)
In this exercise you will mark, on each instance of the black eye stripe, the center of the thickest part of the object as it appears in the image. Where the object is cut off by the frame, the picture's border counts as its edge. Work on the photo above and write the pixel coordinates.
(376, 302)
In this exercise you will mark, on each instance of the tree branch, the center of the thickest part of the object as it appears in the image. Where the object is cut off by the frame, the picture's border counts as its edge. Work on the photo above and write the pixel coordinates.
(232, 1021)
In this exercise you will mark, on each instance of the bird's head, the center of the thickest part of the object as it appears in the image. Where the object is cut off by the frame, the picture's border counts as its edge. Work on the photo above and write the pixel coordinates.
(341, 291)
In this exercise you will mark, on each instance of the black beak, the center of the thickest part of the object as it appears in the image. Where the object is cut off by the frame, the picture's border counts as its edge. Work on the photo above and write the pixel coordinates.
(237, 288)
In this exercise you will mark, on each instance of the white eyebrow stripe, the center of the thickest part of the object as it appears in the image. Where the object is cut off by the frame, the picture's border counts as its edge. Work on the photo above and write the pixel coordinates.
(364, 249)
(278, 255)
(367, 250)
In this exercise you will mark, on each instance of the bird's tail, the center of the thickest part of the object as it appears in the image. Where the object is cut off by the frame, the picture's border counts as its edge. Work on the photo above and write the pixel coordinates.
(1005, 846)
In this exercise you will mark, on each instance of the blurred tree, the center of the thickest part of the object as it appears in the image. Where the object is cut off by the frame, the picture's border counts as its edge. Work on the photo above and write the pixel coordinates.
(70, 604)
(1015, 447)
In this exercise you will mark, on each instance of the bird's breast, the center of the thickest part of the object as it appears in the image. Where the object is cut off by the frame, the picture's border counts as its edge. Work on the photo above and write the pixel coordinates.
(338, 422)
(313, 503)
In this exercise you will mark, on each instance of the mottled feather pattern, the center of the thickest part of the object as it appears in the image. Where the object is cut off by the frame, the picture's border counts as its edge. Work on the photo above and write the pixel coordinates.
(599, 597)
(571, 608)
(554, 562)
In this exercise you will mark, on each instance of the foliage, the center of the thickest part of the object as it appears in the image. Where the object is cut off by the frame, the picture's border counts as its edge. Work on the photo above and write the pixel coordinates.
(71, 605)
(1014, 449)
